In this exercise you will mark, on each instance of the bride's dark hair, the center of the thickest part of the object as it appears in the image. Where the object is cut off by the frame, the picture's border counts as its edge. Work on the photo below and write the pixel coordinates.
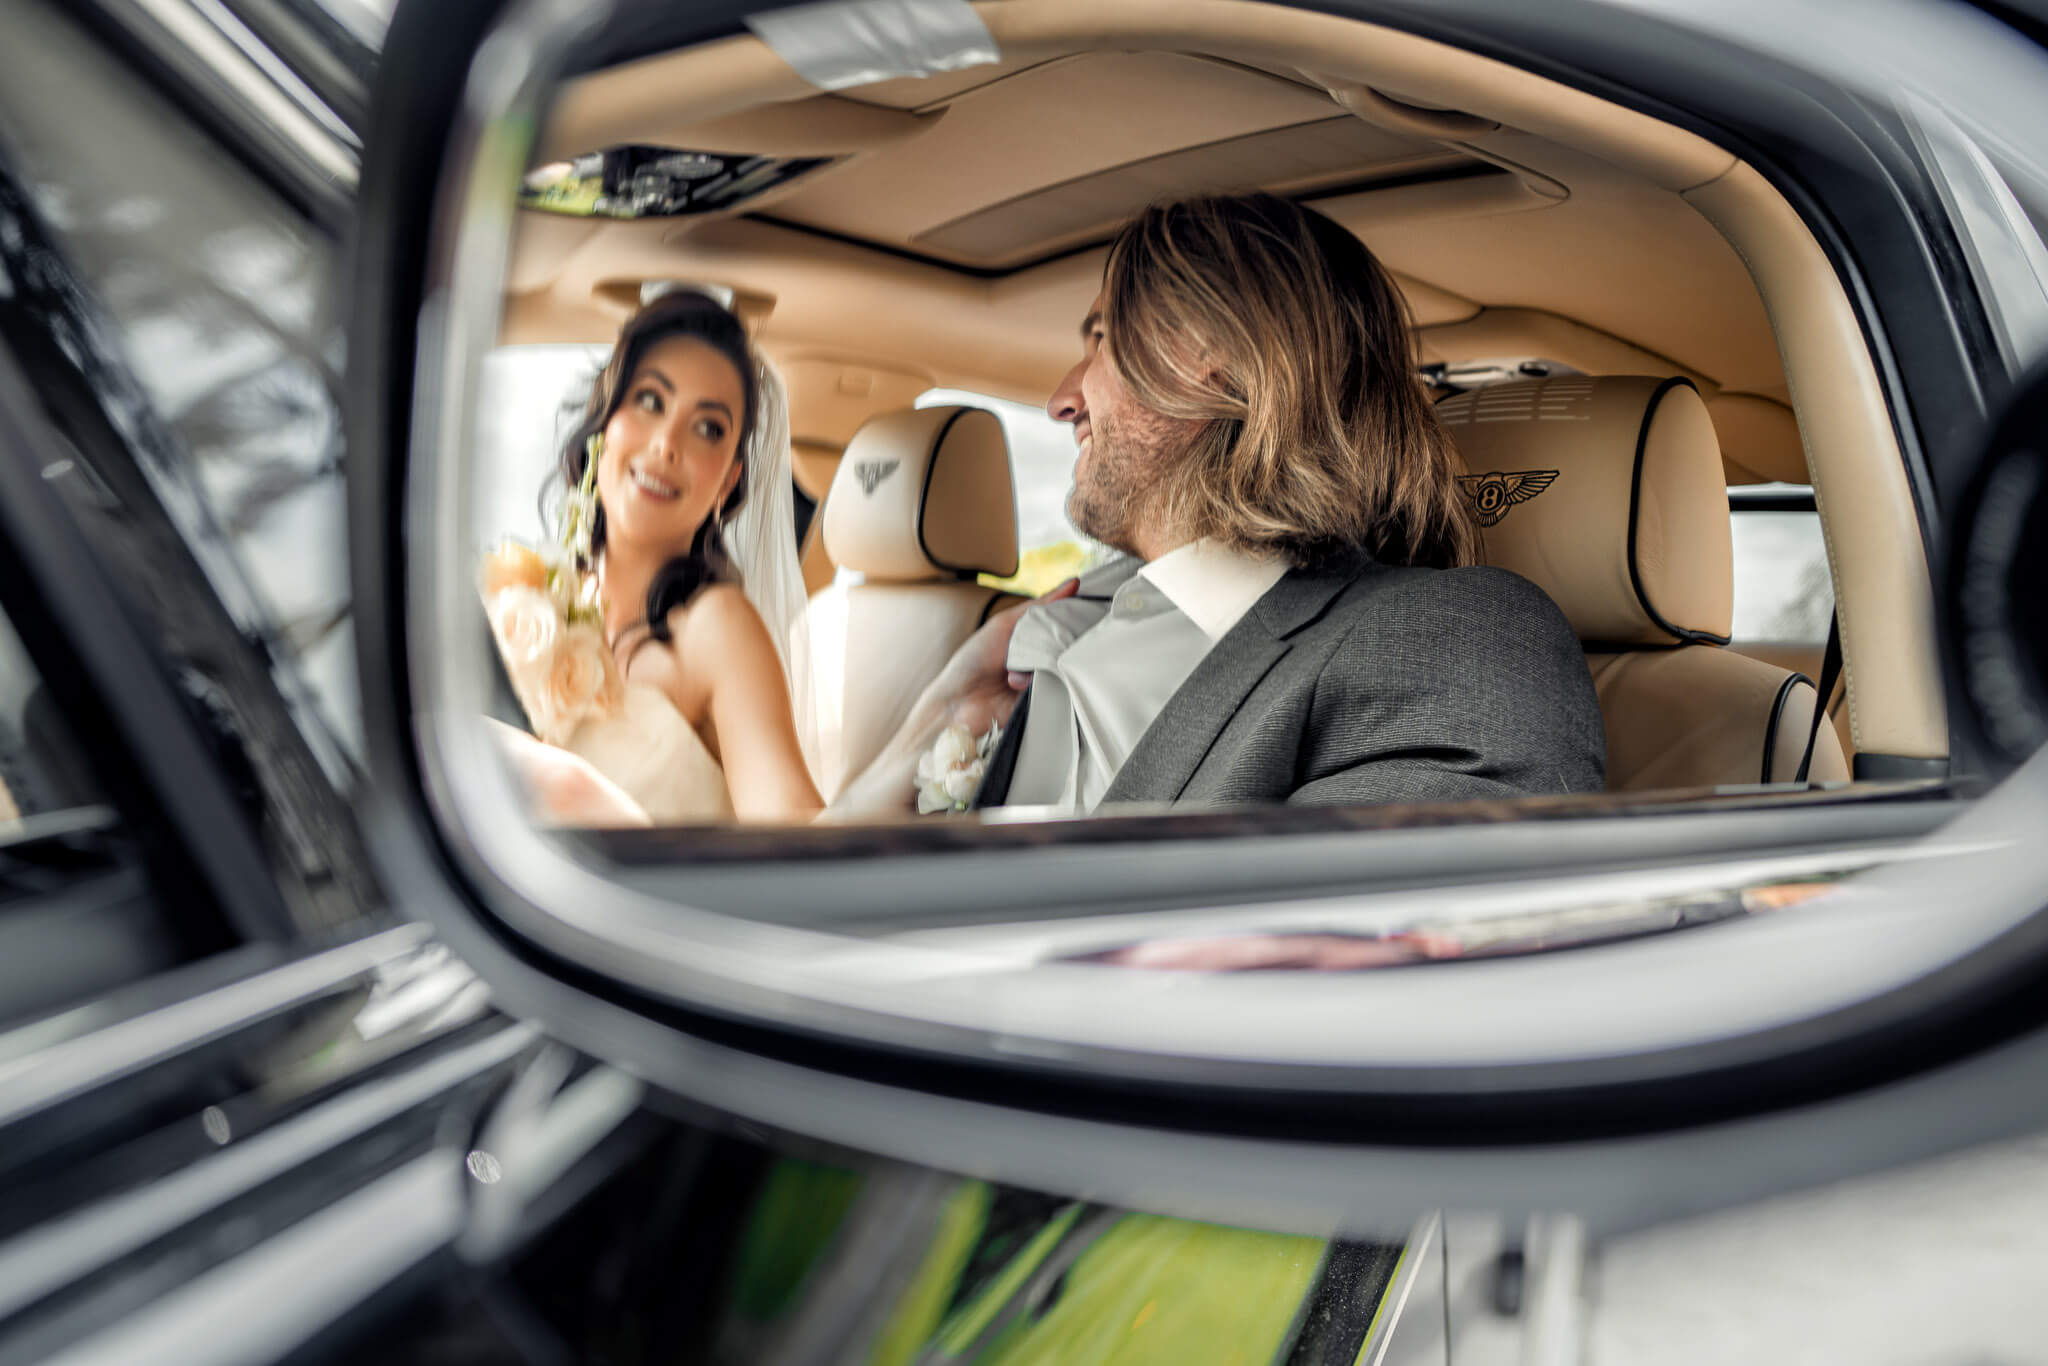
(682, 313)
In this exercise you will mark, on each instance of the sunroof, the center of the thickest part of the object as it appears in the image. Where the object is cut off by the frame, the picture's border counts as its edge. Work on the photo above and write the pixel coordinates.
(656, 182)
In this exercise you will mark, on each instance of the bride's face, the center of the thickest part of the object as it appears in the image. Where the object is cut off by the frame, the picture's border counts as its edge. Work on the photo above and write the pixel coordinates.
(671, 447)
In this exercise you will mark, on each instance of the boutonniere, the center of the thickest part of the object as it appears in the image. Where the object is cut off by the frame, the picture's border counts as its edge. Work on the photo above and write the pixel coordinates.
(949, 773)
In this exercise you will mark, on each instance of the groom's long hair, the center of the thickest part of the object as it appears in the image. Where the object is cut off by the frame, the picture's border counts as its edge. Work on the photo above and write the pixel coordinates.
(1276, 330)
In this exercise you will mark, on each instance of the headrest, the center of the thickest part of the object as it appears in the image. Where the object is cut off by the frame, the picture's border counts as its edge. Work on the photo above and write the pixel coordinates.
(1607, 492)
(924, 494)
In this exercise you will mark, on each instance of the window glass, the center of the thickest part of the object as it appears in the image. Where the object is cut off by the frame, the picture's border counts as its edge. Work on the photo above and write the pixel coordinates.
(1783, 591)
(1042, 468)
(222, 302)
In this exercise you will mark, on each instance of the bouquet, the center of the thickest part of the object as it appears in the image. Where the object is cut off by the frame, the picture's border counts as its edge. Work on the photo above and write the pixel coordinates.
(548, 621)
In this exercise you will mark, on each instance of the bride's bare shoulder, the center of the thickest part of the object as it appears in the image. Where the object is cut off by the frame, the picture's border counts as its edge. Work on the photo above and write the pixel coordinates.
(717, 615)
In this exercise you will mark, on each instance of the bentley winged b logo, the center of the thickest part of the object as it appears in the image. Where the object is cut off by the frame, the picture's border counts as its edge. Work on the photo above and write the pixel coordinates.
(1493, 493)
(871, 473)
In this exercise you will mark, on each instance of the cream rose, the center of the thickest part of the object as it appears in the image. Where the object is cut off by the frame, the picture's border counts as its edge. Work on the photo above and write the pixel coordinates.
(512, 565)
(526, 624)
(574, 685)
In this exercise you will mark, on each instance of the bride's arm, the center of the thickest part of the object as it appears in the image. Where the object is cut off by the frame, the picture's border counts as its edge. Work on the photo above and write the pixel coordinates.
(562, 788)
(752, 731)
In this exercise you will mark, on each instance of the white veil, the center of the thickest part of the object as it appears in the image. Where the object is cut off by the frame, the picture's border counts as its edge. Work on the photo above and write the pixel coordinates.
(761, 542)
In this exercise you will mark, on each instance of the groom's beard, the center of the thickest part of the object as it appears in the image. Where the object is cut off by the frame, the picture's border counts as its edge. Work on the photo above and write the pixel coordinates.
(1108, 502)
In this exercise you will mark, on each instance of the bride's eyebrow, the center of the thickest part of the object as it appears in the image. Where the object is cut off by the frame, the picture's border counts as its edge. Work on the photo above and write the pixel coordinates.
(649, 372)
(719, 404)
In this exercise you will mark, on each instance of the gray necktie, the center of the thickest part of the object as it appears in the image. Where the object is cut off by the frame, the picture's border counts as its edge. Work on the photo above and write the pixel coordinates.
(1048, 756)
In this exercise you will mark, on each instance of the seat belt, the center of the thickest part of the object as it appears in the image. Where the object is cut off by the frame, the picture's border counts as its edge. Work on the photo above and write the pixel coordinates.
(1830, 670)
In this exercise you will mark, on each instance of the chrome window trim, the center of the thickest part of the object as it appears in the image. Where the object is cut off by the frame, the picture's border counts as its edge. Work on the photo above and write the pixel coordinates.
(48, 1256)
(49, 1075)
(291, 117)
(272, 1298)
(282, 76)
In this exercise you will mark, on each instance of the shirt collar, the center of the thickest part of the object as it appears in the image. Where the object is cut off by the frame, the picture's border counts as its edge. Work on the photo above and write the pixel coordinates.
(1213, 585)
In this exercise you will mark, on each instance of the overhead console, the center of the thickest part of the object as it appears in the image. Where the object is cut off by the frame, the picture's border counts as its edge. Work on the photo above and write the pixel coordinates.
(658, 182)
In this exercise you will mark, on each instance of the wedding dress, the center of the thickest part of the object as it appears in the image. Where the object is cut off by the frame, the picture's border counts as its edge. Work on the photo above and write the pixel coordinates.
(651, 751)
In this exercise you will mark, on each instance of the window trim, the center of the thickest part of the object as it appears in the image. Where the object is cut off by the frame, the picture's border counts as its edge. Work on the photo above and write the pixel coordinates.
(200, 68)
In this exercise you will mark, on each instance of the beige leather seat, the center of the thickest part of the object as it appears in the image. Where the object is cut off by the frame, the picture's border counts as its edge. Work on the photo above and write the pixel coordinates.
(1609, 493)
(921, 504)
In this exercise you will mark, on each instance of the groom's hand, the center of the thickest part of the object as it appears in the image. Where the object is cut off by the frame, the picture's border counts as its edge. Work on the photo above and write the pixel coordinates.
(977, 688)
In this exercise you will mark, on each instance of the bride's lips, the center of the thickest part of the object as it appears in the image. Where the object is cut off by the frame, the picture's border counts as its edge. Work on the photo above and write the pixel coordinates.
(651, 487)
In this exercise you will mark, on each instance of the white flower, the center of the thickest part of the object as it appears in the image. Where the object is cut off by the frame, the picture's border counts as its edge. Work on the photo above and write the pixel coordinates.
(954, 747)
(961, 782)
(526, 624)
(950, 772)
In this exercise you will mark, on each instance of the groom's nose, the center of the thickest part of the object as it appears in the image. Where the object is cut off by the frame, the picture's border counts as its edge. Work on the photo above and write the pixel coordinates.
(1066, 403)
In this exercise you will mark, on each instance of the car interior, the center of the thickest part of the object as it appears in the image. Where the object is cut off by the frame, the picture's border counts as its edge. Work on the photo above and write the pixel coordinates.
(1603, 300)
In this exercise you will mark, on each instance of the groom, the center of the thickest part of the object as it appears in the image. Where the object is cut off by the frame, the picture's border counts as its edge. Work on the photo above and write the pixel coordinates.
(1296, 615)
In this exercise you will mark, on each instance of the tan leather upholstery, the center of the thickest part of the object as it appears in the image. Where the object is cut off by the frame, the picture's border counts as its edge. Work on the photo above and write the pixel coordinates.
(922, 502)
(1806, 659)
(1701, 716)
(923, 494)
(877, 645)
(1607, 493)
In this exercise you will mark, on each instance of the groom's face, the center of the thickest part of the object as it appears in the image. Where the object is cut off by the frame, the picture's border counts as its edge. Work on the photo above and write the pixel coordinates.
(1125, 447)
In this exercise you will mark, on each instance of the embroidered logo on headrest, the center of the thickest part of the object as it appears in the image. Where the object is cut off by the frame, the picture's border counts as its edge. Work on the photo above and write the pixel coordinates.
(1493, 493)
(871, 473)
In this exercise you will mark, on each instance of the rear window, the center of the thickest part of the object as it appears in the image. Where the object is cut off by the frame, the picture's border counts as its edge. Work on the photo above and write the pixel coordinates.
(1783, 591)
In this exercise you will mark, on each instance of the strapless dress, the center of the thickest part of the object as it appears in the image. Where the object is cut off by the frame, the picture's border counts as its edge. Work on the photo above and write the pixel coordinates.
(656, 755)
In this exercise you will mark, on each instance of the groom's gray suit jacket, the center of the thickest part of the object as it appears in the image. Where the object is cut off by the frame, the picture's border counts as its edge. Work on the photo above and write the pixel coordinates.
(1370, 684)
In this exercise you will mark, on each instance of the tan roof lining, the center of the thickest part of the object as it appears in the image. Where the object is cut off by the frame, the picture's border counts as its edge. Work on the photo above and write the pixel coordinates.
(1445, 172)
(1330, 157)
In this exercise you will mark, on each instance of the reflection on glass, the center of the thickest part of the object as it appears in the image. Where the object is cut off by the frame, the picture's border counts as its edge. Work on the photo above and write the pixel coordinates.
(221, 303)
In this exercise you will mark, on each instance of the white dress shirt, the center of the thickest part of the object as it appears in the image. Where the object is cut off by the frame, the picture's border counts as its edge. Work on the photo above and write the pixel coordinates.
(1106, 661)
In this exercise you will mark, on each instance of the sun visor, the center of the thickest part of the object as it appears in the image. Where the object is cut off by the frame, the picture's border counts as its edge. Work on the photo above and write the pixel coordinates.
(847, 43)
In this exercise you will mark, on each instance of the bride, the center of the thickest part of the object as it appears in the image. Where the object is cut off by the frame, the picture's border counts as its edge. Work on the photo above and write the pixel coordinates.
(693, 542)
